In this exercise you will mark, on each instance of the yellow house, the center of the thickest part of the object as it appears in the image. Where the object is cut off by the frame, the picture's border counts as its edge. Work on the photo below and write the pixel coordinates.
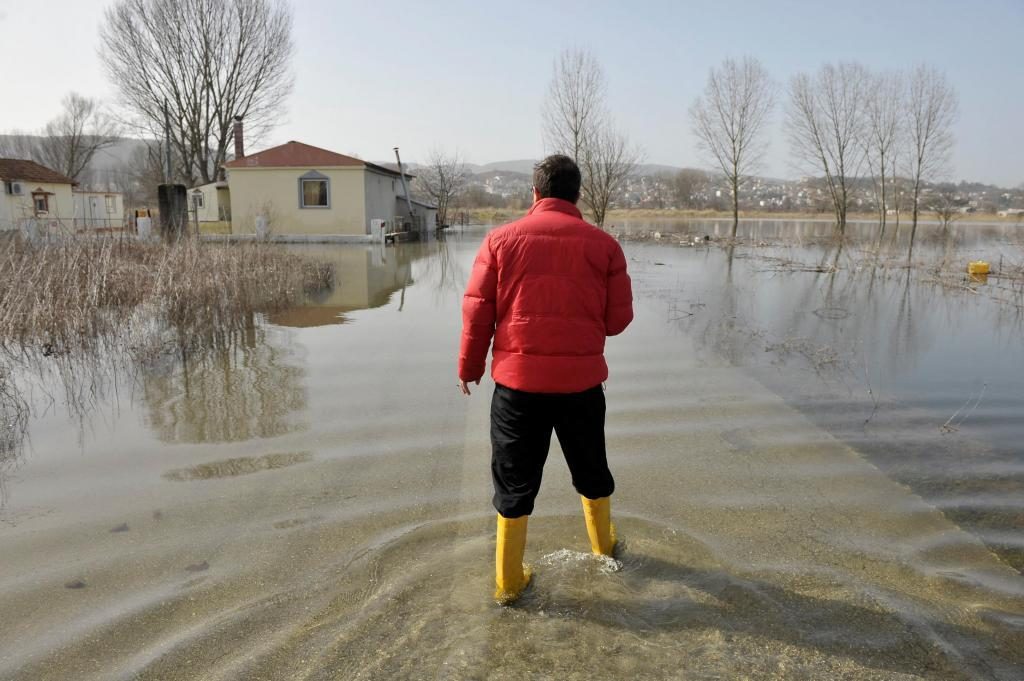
(298, 189)
(210, 206)
(98, 210)
(35, 197)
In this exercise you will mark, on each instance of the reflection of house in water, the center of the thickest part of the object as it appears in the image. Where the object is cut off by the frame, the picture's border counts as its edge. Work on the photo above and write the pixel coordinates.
(244, 387)
(364, 277)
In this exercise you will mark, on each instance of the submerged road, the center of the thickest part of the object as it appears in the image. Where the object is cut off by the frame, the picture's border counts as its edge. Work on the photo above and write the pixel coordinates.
(359, 544)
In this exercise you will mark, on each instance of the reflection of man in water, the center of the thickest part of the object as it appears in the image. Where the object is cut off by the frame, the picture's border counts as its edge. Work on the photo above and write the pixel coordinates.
(549, 288)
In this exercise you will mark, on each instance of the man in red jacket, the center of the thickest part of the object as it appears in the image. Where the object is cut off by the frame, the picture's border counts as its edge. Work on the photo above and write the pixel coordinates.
(549, 288)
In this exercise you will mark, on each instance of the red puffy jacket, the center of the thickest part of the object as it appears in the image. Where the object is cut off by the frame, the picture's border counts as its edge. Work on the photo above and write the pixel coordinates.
(549, 287)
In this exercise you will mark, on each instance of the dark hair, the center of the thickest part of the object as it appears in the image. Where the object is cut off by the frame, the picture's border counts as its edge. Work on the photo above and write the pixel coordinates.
(557, 177)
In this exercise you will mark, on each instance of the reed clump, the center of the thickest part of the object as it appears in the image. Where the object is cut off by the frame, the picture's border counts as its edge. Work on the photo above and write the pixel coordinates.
(69, 295)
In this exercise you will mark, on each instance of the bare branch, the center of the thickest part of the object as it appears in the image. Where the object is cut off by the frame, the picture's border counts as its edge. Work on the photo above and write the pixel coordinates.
(442, 180)
(931, 109)
(231, 59)
(577, 124)
(825, 126)
(729, 120)
(575, 102)
(607, 160)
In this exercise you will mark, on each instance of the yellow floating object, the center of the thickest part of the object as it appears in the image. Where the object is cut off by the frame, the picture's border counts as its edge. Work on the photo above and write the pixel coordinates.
(598, 514)
(977, 267)
(511, 575)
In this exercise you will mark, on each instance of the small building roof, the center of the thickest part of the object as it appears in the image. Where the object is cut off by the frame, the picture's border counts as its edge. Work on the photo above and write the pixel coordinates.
(422, 204)
(30, 171)
(218, 184)
(298, 155)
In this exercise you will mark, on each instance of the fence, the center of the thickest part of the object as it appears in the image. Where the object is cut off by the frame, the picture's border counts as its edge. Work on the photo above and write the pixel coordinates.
(98, 223)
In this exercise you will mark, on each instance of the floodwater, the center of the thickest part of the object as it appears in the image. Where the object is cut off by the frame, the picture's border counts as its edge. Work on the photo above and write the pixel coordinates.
(819, 475)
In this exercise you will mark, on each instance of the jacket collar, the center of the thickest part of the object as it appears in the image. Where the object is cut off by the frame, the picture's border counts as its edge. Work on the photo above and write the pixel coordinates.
(557, 206)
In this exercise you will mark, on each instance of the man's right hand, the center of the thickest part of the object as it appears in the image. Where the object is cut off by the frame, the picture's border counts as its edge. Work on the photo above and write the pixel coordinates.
(464, 387)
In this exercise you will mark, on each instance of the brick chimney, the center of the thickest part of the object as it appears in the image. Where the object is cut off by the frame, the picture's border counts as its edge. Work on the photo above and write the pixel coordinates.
(239, 141)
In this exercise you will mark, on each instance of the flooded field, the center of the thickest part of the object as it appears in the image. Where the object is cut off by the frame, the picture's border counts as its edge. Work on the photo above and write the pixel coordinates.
(819, 475)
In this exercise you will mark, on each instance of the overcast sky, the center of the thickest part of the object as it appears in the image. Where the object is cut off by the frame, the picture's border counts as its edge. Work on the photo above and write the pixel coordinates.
(472, 74)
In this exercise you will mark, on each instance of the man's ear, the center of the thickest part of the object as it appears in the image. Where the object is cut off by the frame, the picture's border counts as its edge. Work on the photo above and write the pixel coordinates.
(536, 195)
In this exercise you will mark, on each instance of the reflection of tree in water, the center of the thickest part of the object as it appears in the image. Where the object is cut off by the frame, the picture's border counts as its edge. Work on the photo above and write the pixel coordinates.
(13, 424)
(446, 273)
(241, 386)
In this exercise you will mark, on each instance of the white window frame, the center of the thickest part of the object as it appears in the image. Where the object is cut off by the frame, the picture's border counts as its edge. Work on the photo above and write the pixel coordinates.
(313, 176)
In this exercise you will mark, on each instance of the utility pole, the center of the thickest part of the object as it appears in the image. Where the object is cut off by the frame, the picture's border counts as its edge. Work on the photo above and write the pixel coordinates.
(167, 145)
(405, 187)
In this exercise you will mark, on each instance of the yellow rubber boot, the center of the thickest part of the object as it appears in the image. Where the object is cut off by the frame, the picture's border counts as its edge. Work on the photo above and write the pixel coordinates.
(511, 575)
(600, 529)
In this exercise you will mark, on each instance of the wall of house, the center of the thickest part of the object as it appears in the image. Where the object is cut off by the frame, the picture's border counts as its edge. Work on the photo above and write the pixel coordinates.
(210, 210)
(18, 208)
(274, 192)
(104, 216)
(429, 215)
(6, 221)
(381, 191)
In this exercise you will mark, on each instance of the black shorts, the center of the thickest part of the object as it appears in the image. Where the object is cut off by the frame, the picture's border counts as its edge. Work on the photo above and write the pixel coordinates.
(521, 425)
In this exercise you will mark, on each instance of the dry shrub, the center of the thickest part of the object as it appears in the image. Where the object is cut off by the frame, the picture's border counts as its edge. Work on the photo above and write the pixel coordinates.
(77, 312)
(71, 294)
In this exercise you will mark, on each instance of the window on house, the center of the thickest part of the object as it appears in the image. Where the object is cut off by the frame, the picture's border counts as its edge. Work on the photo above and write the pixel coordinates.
(42, 203)
(198, 200)
(314, 191)
(111, 204)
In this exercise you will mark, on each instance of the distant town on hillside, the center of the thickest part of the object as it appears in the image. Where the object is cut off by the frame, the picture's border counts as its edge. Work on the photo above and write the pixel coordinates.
(660, 187)
(129, 167)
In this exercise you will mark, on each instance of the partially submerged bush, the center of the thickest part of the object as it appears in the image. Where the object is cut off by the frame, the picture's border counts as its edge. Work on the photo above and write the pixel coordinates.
(68, 295)
(78, 311)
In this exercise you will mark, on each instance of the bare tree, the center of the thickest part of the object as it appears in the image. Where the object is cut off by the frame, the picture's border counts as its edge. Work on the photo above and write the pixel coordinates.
(946, 208)
(931, 109)
(230, 59)
(882, 137)
(729, 120)
(69, 142)
(607, 160)
(577, 123)
(574, 107)
(825, 125)
(441, 180)
(687, 185)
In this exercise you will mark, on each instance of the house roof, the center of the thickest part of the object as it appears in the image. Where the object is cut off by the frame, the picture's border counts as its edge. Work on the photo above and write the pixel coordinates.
(423, 204)
(298, 155)
(219, 184)
(30, 171)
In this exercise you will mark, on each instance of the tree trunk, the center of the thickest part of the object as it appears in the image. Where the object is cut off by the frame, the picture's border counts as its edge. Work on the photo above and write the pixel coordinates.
(735, 206)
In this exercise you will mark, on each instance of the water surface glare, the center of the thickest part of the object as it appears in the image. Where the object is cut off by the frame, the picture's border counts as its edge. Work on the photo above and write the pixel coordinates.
(313, 502)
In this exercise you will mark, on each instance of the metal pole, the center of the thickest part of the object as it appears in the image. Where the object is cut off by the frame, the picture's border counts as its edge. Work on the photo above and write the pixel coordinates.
(167, 145)
(405, 187)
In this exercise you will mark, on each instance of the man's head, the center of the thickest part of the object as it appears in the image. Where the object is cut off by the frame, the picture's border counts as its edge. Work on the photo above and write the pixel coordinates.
(556, 177)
